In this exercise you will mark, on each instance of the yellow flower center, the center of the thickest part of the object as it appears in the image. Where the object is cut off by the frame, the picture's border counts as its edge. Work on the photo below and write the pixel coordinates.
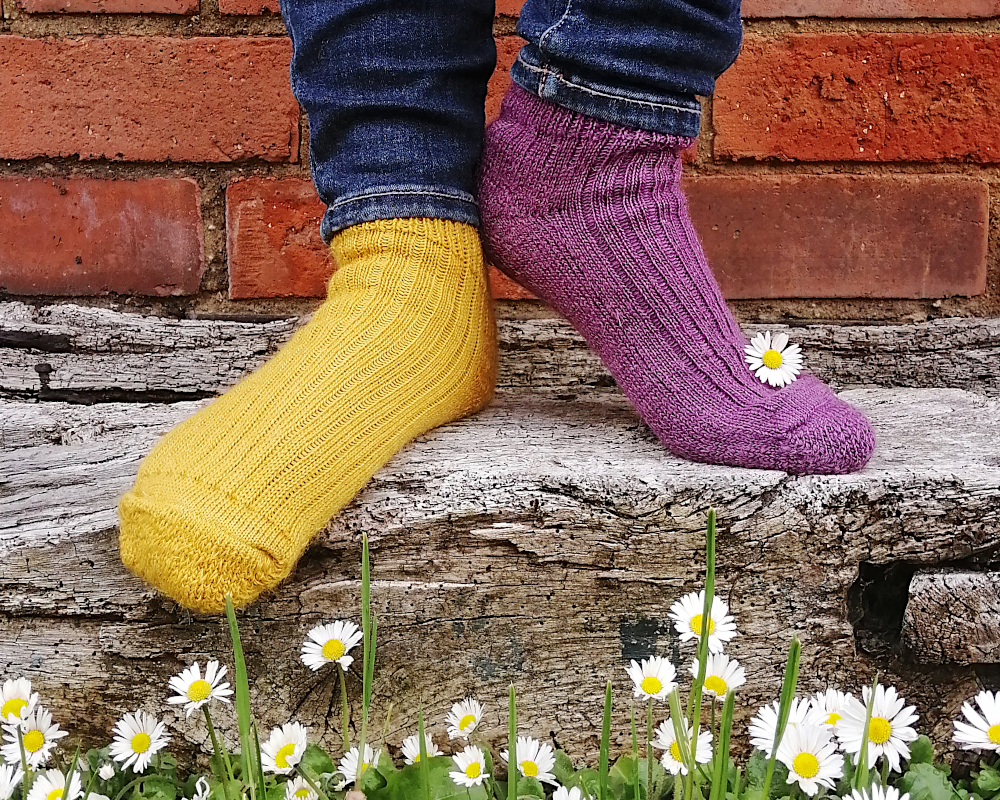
(140, 742)
(879, 730)
(651, 684)
(33, 741)
(675, 751)
(55, 794)
(771, 359)
(715, 684)
(834, 718)
(333, 649)
(364, 766)
(994, 734)
(697, 627)
(198, 691)
(529, 768)
(281, 759)
(466, 721)
(12, 706)
(806, 765)
(473, 770)
(302, 793)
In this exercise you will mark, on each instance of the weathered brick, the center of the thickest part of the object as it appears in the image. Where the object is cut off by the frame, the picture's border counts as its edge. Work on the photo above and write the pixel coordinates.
(275, 250)
(83, 236)
(249, 6)
(767, 237)
(891, 9)
(110, 6)
(148, 98)
(862, 97)
(843, 236)
(509, 7)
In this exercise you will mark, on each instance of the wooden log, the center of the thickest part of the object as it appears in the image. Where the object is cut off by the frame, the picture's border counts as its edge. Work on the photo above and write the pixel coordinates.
(91, 354)
(953, 616)
(540, 542)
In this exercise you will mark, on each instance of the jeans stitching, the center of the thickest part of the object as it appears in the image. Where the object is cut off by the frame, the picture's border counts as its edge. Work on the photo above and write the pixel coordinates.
(369, 195)
(554, 28)
(547, 73)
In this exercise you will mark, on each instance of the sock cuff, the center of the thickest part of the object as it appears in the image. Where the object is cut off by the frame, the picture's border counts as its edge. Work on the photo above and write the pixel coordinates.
(414, 238)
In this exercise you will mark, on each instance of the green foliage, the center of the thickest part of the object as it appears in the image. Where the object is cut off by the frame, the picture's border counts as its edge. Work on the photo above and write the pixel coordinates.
(925, 782)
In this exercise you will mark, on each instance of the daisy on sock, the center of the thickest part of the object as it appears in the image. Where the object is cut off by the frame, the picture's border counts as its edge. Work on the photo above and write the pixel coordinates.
(534, 759)
(39, 734)
(411, 748)
(17, 700)
(811, 757)
(137, 738)
(330, 644)
(463, 718)
(764, 724)
(686, 614)
(722, 674)
(982, 731)
(773, 360)
(51, 785)
(195, 691)
(666, 739)
(889, 731)
(471, 764)
(284, 748)
(653, 678)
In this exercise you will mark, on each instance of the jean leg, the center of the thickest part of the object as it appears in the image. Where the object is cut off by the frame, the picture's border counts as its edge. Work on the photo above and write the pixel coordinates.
(394, 92)
(636, 63)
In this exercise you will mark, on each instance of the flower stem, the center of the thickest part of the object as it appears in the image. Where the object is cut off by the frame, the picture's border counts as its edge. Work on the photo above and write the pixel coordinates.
(220, 753)
(27, 780)
(312, 784)
(344, 712)
(885, 772)
(649, 746)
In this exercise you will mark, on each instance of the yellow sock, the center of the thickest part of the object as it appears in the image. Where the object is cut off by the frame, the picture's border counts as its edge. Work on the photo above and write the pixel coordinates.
(406, 341)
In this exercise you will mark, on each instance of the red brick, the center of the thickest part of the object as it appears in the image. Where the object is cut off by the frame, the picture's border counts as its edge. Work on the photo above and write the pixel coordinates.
(873, 97)
(249, 6)
(853, 9)
(81, 236)
(843, 236)
(509, 7)
(274, 245)
(148, 98)
(110, 6)
(507, 50)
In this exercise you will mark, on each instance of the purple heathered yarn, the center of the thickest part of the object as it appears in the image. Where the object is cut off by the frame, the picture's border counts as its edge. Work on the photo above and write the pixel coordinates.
(590, 217)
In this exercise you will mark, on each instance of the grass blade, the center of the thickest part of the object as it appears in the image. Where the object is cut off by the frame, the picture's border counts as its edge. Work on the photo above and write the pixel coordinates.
(860, 779)
(425, 767)
(787, 695)
(511, 746)
(242, 699)
(602, 786)
(259, 773)
(706, 616)
(720, 775)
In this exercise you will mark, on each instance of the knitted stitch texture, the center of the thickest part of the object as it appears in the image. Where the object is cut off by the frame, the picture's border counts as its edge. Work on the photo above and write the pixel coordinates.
(406, 341)
(590, 217)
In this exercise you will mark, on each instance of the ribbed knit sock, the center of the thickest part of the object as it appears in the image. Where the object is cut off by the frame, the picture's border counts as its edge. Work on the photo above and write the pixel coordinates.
(590, 216)
(406, 341)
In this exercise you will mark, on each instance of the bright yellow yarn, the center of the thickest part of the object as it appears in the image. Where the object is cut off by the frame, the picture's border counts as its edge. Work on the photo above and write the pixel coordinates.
(406, 341)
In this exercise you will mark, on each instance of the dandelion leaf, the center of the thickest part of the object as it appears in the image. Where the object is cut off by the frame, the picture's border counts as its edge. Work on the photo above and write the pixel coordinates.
(924, 782)
(316, 761)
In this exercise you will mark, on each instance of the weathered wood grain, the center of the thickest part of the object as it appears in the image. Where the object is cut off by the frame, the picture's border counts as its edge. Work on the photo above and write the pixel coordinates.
(71, 352)
(953, 616)
(540, 542)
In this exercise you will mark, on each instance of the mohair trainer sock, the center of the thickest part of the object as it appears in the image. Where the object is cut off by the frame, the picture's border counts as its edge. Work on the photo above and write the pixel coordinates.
(406, 341)
(590, 217)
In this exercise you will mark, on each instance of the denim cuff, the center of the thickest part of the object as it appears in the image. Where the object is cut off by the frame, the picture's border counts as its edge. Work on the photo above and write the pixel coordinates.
(398, 202)
(671, 114)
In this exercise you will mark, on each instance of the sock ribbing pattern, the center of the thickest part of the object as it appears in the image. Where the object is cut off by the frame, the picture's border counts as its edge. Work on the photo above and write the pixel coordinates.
(590, 217)
(406, 341)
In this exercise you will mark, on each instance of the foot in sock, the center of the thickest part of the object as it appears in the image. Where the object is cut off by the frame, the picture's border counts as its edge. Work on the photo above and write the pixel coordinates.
(406, 341)
(590, 216)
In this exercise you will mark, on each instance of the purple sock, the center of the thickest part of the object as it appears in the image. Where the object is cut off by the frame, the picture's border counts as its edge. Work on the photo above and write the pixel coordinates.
(590, 216)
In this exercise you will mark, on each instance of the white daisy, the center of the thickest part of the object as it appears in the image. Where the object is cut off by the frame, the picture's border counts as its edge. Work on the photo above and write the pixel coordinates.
(534, 759)
(96, 796)
(811, 757)
(137, 738)
(283, 748)
(666, 739)
(463, 718)
(773, 360)
(471, 763)
(764, 724)
(17, 700)
(107, 772)
(889, 731)
(10, 778)
(982, 731)
(411, 748)
(195, 691)
(653, 678)
(51, 785)
(330, 644)
(298, 789)
(827, 708)
(686, 614)
(877, 792)
(562, 793)
(202, 791)
(722, 674)
(349, 766)
(39, 734)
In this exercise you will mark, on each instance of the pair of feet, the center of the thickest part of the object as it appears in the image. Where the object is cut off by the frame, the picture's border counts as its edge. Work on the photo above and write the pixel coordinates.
(590, 217)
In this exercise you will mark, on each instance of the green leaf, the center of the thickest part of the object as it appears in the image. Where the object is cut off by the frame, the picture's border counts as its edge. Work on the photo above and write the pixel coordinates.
(922, 751)
(316, 761)
(529, 787)
(405, 784)
(156, 788)
(923, 782)
(987, 782)
(563, 770)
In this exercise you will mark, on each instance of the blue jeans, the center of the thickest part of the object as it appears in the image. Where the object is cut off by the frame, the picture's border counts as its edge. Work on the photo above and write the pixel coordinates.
(394, 89)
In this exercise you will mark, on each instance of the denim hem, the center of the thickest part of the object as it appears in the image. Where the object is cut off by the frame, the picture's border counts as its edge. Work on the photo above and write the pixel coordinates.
(671, 114)
(398, 202)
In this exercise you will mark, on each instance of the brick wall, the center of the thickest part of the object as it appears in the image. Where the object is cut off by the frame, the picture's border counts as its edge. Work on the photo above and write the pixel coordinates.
(152, 156)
